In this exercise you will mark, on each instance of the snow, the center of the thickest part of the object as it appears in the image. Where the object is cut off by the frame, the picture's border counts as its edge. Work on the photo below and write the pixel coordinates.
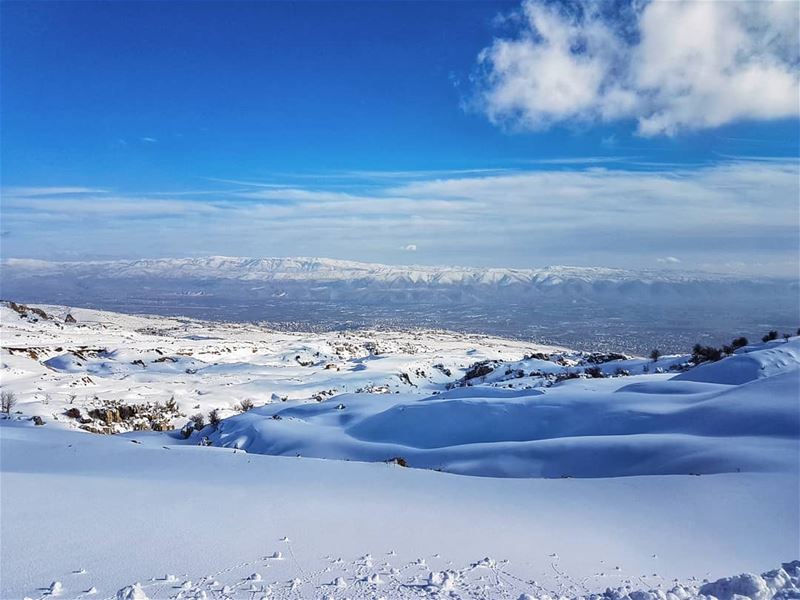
(130, 512)
(520, 483)
(54, 366)
(580, 428)
(327, 269)
(748, 364)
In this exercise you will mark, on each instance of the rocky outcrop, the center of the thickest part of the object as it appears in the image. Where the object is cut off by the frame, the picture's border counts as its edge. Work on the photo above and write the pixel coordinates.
(117, 417)
(28, 312)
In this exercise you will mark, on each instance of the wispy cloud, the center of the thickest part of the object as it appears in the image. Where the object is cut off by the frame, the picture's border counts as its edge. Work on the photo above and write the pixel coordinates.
(30, 192)
(731, 212)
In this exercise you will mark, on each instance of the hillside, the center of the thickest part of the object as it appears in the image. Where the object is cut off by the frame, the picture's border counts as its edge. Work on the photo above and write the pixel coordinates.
(531, 470)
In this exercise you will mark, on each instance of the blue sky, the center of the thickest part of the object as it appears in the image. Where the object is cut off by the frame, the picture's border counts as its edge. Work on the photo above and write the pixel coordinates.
(476, 133)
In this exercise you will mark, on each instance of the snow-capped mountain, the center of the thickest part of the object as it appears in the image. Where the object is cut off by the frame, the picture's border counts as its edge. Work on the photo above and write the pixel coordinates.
(332, 270)
(591, 308)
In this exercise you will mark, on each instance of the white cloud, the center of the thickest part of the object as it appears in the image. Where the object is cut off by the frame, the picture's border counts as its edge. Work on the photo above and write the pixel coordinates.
(32, 192)
(736, 211)
(669, 65)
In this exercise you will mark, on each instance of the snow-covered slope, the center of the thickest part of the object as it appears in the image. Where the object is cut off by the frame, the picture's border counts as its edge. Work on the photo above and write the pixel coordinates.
(606, 470)
(748, 364)
(579, 428)
(101, 512)
(436, 400)
(105, 358)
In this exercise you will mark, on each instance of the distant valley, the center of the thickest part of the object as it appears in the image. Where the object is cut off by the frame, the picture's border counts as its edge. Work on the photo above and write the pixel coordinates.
(585, 308)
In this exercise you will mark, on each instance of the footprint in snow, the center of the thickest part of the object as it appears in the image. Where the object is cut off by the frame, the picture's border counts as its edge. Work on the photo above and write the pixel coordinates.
(55, 588)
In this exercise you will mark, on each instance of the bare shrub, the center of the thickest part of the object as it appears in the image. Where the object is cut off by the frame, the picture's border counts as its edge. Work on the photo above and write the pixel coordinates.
(8, 400)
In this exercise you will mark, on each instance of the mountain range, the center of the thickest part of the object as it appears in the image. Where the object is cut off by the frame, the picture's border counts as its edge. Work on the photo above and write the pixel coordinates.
(585, 307)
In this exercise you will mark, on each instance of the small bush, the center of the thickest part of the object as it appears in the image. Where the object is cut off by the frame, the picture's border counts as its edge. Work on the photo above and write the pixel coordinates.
(565, 376)
(594, 372)
(199, 421)
(171, 405)
(772, 335)
(214, 419)
(739, 342)
(701, 354)
(246, 405)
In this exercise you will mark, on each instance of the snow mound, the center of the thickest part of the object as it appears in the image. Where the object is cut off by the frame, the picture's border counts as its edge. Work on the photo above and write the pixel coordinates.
(132, 592)
(780, 583)
(582, 428)
(754, 362)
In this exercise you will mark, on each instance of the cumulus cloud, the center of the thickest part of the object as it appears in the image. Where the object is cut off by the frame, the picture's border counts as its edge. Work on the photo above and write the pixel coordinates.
(668, 260)
(410, 248)
(670, 66)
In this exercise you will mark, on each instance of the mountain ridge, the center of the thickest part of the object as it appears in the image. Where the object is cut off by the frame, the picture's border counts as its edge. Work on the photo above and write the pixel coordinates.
(327, 269)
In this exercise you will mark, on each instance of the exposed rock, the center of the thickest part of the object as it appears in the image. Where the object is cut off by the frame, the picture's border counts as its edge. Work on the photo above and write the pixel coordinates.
(598, 358)
(127, 411)
(25, 311)
(165, 359)
(107, 415)
(187, 429)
